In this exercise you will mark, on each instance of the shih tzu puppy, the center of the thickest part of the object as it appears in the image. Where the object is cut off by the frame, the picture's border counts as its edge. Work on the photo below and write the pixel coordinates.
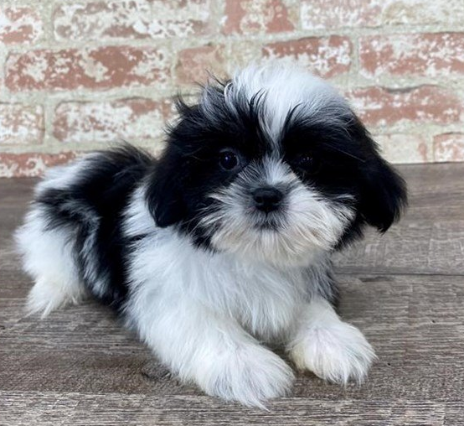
(223, 245)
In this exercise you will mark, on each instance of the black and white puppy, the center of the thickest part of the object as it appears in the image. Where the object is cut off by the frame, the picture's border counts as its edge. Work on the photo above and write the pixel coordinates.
(223, 245)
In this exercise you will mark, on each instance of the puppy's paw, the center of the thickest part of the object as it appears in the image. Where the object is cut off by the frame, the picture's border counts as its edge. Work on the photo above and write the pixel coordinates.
(250, 375)
(335, 352)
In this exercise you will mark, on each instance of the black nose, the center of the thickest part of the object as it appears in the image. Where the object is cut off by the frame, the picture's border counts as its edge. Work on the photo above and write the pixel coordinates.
(267, 199)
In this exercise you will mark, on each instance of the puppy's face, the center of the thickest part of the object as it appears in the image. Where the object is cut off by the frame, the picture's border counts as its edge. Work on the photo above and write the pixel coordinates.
(272, 166)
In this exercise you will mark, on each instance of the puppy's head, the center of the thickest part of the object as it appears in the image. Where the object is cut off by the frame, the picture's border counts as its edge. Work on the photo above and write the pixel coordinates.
(274, 166)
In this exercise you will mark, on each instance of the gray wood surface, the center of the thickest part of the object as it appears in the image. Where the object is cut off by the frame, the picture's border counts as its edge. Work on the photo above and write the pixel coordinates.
(404, 290)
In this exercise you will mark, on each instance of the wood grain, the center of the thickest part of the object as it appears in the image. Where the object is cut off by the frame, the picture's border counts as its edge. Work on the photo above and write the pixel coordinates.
(404, 290)
(430, 237)
(53, 409)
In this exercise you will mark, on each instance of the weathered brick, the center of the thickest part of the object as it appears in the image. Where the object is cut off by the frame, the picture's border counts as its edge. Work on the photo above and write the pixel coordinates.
(194, 64)
(432, 55)
(133, 120)
(379, 106)
(320, 14)
(323, 14)
(97, 68)
(19, 25)
(448, 147)
(21, 124)
(243, 53)
(30, 164)
(404, 148)
(256, 16)
(136, 19)
(325, 56)
(422, 12)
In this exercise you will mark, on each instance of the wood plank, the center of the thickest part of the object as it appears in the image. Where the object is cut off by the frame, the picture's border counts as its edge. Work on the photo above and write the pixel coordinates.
(416, 325)
(411, 247)
(30, 408)
(430, 237)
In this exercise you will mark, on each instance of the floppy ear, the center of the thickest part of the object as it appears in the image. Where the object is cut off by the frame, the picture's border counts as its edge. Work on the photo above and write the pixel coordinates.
(383, 195)
(383, 190)
(164, 194)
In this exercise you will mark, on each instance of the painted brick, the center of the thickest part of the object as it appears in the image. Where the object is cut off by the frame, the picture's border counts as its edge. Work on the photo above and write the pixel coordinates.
(92, 57)
(194, 64)
(448, 147)
(31, 164)
(21, 124)
(136, 19)
(432, 55)
(97, 68)
(133, 120)
(256, 16)
(19, 25)
(379, 106)
(243, 52)
(422, 12)
(325, 56)
(323, 14)
(404, 148)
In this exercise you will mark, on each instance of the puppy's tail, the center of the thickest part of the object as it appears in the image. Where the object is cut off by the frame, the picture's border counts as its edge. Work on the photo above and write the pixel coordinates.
(47, 258)
(47, 296)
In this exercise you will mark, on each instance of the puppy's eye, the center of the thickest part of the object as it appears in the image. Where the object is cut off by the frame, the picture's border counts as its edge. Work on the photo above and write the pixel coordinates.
(305, 160)
(308, 163)
(229, 160)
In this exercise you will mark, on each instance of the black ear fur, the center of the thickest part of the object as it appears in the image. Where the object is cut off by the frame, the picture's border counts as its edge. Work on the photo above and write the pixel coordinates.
(164, 192)
(383, 195)
(383, 191)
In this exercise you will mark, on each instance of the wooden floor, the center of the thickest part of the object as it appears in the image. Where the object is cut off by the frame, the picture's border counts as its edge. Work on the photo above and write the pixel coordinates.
(404, 290)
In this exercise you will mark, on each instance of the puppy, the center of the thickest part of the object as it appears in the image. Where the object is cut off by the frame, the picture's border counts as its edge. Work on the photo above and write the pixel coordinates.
(223, 245)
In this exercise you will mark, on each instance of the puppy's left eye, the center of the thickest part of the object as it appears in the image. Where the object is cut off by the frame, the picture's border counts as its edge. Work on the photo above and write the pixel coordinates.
(229, 160)
(305, 160)
(307, 163)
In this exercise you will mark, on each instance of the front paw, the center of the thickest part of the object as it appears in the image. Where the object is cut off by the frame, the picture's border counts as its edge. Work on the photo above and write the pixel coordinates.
(336, 352)
(250, 375)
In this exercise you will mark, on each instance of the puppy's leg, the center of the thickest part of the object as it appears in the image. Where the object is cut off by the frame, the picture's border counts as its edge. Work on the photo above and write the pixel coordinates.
(214, 352)
(332, 349)
(48, 258)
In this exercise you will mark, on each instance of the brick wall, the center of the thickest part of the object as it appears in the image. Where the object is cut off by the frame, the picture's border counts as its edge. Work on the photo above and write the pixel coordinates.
(77, 75)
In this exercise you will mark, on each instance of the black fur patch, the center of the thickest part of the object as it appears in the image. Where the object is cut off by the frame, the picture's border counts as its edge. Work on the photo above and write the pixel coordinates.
(189, 168)
(91, 207)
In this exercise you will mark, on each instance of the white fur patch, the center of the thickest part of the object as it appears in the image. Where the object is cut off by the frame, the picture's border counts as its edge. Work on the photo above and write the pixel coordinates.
(209, 348)
(284, 88)
(330, 348)
(48, 258)
(60, 177)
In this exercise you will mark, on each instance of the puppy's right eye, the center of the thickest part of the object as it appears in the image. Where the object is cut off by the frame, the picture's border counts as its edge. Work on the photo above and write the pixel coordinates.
(229, 160)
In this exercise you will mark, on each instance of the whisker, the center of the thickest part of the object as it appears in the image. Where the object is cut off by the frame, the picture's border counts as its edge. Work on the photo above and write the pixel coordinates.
(346, 153)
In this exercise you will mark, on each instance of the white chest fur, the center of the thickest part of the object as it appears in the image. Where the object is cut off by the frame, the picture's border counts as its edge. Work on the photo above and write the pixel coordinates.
(263, 299)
